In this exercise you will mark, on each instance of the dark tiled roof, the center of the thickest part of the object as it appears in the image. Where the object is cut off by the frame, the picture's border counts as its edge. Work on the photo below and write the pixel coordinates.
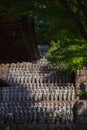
(14, 45)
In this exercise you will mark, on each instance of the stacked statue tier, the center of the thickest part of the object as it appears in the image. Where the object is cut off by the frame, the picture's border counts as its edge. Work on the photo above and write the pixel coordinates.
(34, 94)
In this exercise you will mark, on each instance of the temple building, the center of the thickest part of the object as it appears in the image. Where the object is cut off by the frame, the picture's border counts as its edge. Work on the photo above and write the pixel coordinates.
(17, 39)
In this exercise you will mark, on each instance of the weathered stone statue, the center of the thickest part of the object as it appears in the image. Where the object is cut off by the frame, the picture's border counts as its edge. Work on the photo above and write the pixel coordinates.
(60, 95)
(57, 119)
(47, 96)
(73, 95)
(69, 96)
(39, 96)
(43, 96)
(63, 114)
(68, 112)
(71, 117)
(65, 93)
(52, 96)
(36, 96)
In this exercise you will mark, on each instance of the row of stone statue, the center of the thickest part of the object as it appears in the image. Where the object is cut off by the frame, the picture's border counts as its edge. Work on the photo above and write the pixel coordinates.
(40, 87)
(34, 96)
(30, 79)
(44, 68)
(31, 76)
(60, 113)
(31, 72)
(37, 64)
(34, 74)
(37, 94)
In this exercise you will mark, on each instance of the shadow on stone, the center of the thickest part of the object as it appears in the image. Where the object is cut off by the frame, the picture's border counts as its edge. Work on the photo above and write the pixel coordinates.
(3, 83)
(82, 86)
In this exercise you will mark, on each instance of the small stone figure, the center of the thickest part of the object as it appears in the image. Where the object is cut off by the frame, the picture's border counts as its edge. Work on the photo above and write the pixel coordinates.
(34, 118)
(69, 92)
(73, 95)
(43, 96)
(63, 113)
(47, 117)
(68, 112)
(57, 119)
(22, 80)
(60, 95)
(26, 80)
(40, 105)
(52, 96)
(56, 95)
(44, 117)
(47, 96)
(36, 96)
(65, 94)
(71, 117)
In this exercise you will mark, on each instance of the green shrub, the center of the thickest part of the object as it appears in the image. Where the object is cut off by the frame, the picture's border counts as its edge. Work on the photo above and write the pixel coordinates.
(82, 93)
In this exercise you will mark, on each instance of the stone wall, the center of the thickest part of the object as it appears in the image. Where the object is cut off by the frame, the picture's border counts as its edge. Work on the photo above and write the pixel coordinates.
(81, 79)
(48, 127)
(81, 112)
(3, 71)
(81, 105)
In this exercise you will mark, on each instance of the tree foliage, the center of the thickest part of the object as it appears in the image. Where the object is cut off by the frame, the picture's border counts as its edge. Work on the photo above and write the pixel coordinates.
(68, 54)
(61, 22)
(67, 32)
